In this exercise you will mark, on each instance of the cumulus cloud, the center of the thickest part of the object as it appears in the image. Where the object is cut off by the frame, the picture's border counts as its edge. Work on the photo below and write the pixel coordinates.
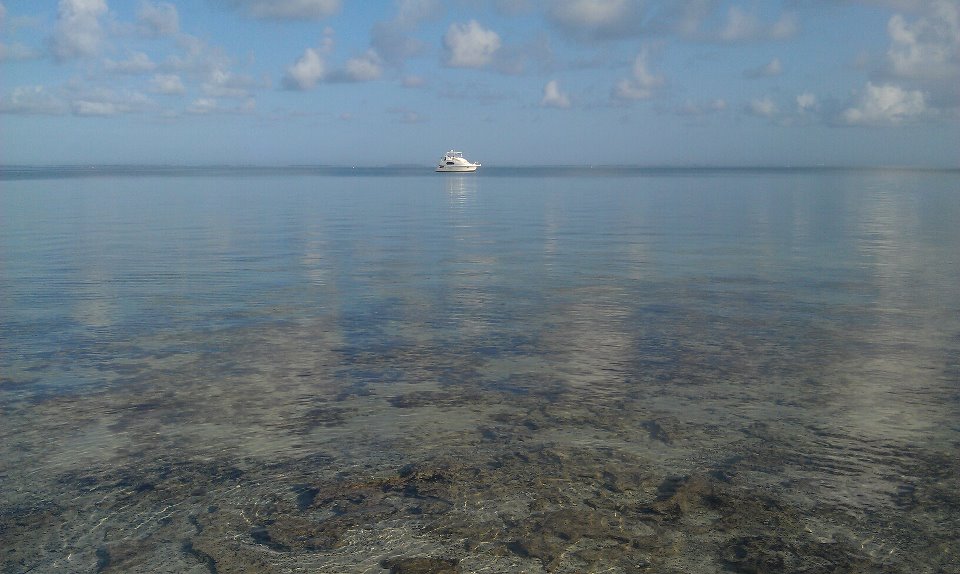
(203, 106)
(103, 102)
(222, 83)
(167, 84)
(158, 19)
(306, 72)
(89, 108)
(553, 96)
(762, 107)
(768, 70)
(32, 100)
(77, 32)
(470, 45)
(288, 9)
(211, 67)
(886, 104)
(207, 106)
(312, 68)
(927, 48)
(364, 68)
(196, 56)
(643, 84)
(806, 102)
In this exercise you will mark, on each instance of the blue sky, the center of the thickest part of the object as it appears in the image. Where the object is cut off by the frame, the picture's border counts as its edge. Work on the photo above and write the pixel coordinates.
(648, 82)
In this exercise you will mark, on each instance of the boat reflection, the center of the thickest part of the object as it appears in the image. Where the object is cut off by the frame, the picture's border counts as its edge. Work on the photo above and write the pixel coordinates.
(460, 186)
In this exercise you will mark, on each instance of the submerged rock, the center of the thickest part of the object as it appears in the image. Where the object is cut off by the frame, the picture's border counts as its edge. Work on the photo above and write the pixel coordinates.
(421, 565)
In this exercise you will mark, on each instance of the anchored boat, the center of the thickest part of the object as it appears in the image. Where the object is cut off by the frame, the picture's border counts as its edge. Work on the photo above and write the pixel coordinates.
(453, 161)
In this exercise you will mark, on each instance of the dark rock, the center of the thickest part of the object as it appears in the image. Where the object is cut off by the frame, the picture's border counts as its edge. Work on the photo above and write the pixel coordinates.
(103, 558)
(305, 496)
(201, 556)
(754, 555)
(656, 431)
(422, 565)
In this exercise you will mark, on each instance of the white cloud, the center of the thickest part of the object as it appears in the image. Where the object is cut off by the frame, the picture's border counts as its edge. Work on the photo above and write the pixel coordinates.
(741, 26)
(32, 100)
(806, 101)
(89, 108)
(203, 106)
(413, 82)
(553, 97)
(221, 83)
(102, 102)
(206, 106)
(364, 68)
(77, 32)
(762, 107)
(643, 83)
(211, 68)
(197, 57)
(137, 63)
(158, 19)
(886, 104)
(470, 45)
(289, 9)
(168, 84)
(929, 47)
(312, 69)
(306, 72)
(768, 70)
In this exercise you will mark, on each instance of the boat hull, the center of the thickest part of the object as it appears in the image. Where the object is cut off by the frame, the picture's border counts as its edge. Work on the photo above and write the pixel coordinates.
(456, 168)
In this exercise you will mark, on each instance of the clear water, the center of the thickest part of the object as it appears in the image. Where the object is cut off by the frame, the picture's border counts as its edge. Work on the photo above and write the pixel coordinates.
(610, 370)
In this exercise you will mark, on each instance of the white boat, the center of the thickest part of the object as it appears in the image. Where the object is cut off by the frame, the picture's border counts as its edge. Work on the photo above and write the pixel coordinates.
(453, 161)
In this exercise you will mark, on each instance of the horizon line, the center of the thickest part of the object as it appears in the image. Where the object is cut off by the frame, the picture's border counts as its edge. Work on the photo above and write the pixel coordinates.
(487, 167)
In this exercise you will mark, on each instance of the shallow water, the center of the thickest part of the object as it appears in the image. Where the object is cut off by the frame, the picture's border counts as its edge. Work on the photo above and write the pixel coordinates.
(615, 370)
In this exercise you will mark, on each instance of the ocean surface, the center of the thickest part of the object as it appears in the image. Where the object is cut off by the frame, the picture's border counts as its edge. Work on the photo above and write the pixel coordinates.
(568, 370)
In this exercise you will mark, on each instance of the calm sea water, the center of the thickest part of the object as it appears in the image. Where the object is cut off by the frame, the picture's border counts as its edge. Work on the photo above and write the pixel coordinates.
(609, 370)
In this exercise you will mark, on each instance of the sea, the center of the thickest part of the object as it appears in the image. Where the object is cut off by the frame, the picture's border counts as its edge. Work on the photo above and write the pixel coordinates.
(521, 370)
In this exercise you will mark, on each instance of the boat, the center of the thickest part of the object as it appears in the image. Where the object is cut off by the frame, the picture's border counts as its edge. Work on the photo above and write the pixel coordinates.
(453, 161)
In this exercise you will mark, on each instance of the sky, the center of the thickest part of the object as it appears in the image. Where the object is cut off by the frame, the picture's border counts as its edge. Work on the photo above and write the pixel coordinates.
(520, 82)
